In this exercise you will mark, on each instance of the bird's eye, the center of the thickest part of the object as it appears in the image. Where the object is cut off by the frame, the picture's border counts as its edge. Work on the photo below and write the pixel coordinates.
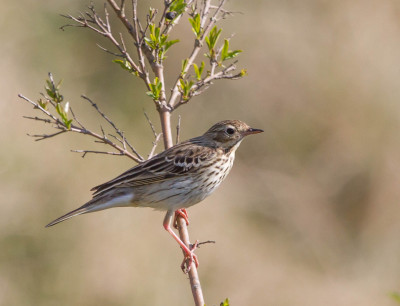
(230, 131)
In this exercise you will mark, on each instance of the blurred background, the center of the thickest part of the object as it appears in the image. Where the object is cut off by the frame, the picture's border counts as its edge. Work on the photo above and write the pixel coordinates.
(309, 214)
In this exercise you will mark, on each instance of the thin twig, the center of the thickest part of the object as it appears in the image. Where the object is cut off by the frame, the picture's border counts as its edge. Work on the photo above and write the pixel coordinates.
(155, 143)
(205, 242)
(75, 118)
(109, 52)
(38, 119)
(46, 136)
(97, 152)
(178, 130)
(151, 124)
(138, 44)
(94, 22)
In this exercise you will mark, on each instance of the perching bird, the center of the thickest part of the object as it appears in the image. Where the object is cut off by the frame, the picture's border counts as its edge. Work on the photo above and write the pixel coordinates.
(175, 179)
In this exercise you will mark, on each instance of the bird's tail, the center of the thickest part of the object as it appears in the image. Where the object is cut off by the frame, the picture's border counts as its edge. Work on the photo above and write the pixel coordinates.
(79, 211)
(122, 198)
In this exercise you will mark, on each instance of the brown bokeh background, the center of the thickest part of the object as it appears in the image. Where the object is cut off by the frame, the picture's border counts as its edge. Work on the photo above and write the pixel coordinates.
(310, 212)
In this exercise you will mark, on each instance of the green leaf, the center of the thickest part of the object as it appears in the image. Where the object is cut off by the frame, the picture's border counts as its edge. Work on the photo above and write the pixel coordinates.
(225, 303)
(151, 12)
(59, 84)
(232, 54)
(148, 41)
(198, 70)
(226, 54)
(225, 49)
(212, 38)
(211, 41)
(184, 65)
(53, 91)
(158, 42)
(68, 124)
(43, 104)
(50, 93)
(155, 89)
(185, 87)
(178, 6)
(196, 27)
(168, 44)
(124, 64)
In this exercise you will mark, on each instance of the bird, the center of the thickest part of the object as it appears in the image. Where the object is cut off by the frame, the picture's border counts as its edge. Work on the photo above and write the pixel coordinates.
(173, 180)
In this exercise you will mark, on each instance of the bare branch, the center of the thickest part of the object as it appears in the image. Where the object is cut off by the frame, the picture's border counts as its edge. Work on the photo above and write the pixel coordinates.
(38, 119)
(46, 136)
(155, 143)
(205, 242)
(117, 130)
(97, 152)
(138, 44)
(36, 105)
(109, 52)
(103, 27)
(131, 29)
(75, 118)
(178, 129)
(151, 124)
(105, 140)
(226, 12)
(61, 126)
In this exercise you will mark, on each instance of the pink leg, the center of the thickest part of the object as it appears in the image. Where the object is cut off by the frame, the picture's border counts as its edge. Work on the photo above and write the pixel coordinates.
(181, 213)
(189, 253)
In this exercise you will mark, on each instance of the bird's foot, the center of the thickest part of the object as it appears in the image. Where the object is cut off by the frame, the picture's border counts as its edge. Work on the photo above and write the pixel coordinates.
(183, 214)
(190, 257)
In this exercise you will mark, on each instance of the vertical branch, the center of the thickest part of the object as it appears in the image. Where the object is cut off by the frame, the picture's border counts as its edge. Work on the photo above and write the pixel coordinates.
(193, 274)
(164, 109)
(165, 117)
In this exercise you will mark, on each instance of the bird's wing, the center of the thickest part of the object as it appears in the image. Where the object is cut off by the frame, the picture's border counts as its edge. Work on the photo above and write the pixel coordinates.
(179, 160)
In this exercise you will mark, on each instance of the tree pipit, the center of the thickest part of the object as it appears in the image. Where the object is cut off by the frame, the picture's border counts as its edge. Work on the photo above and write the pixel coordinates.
(175, 179)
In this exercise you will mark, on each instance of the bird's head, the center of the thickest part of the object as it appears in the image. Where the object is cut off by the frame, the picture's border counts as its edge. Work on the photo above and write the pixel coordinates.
(229, 133)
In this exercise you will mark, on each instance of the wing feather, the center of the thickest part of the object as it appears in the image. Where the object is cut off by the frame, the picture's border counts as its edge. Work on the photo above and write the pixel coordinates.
(179, 160)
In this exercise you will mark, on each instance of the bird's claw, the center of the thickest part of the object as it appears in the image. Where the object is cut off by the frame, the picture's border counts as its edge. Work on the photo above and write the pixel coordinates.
(183, 214)
(190, 257)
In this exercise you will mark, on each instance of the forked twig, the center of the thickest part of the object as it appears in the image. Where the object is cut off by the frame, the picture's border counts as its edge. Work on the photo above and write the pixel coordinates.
(117, 130)
(58, 124)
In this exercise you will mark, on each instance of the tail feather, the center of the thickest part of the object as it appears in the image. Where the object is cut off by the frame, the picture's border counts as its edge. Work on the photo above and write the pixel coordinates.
(100, 202)
(79, 211)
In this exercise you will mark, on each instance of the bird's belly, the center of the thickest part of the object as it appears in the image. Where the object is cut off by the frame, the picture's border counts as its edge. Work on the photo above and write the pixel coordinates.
(182, 192)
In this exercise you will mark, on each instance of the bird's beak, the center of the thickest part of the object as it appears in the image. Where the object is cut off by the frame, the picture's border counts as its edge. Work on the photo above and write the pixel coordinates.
(252, 131)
